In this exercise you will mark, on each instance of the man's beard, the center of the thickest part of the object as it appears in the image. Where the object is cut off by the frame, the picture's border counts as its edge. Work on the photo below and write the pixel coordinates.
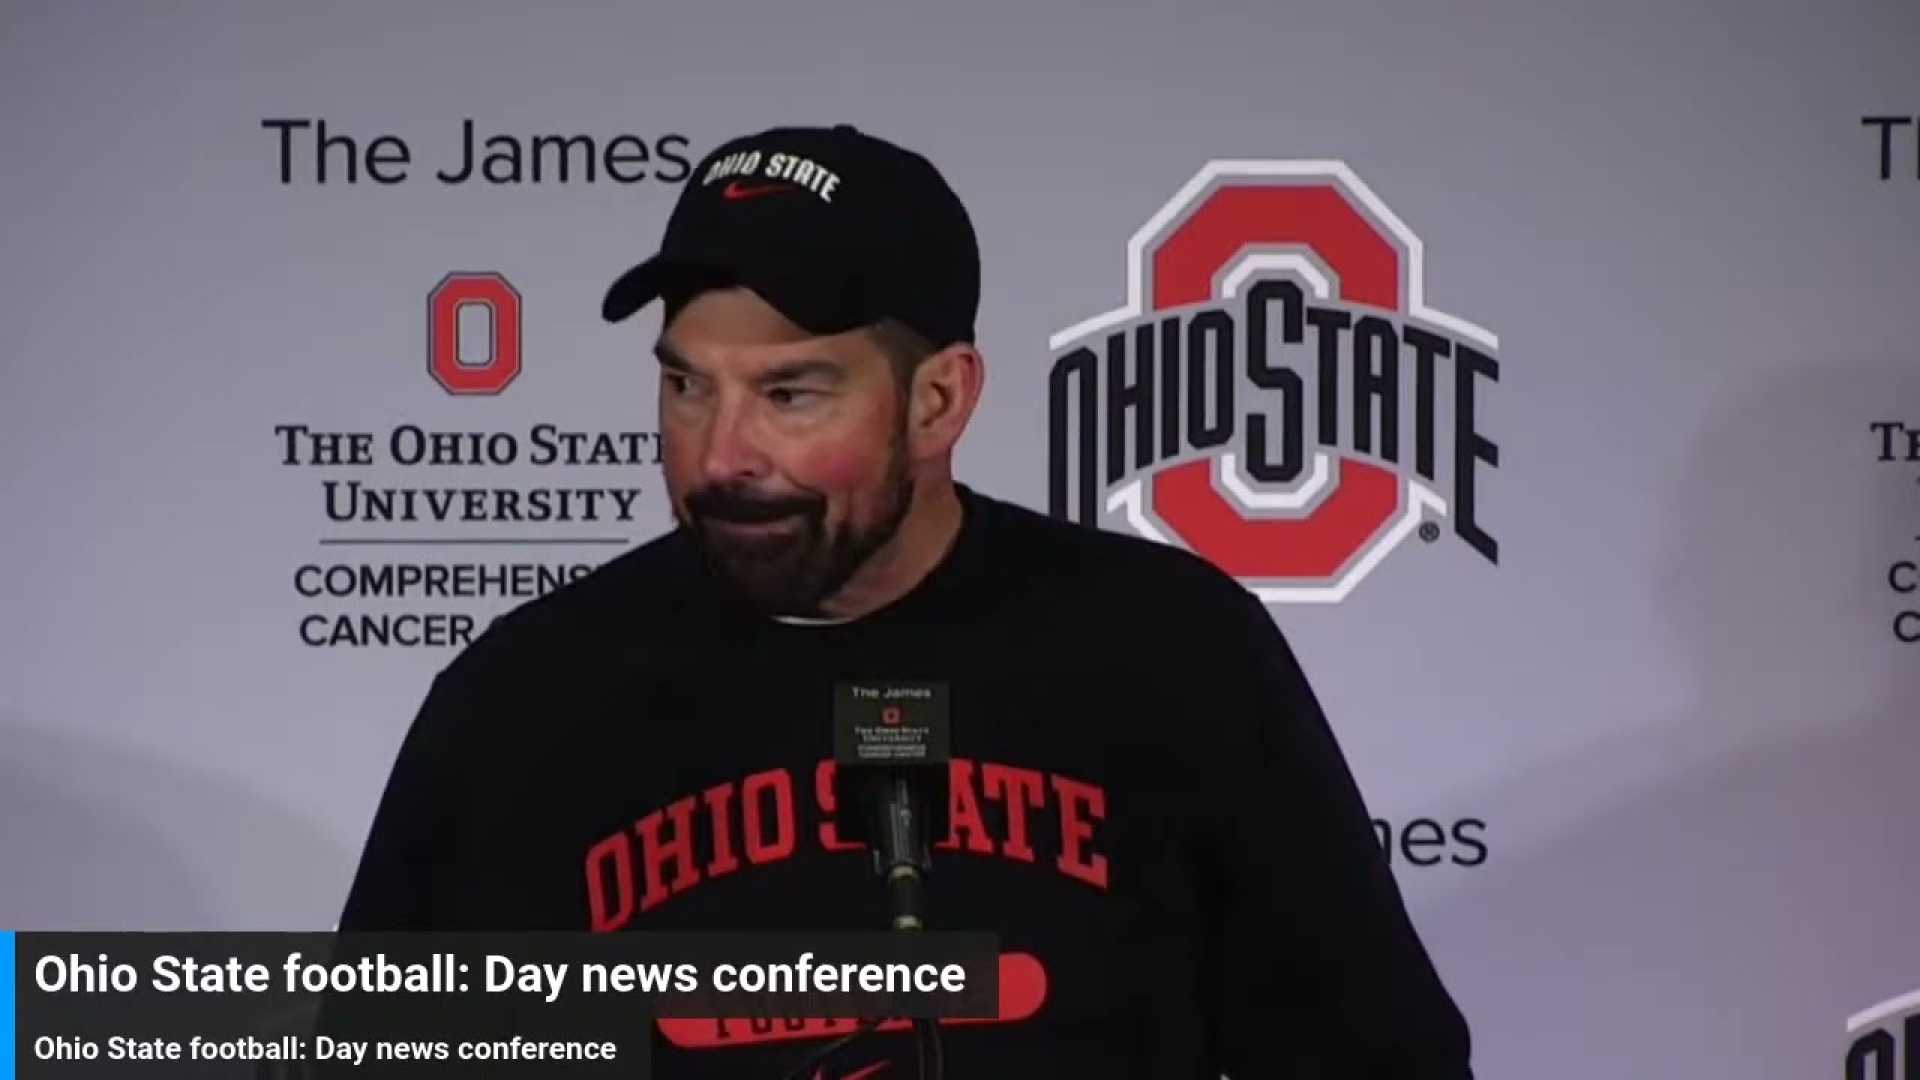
(793, 571)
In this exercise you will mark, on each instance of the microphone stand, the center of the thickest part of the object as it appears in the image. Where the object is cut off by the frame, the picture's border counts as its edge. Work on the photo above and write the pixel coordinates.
(902, 857)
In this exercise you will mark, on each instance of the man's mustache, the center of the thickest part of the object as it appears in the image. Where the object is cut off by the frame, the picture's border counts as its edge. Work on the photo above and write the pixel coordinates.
(724, 505)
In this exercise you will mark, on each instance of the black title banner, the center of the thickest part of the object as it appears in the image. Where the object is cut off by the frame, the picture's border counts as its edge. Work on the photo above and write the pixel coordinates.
(419, 1004)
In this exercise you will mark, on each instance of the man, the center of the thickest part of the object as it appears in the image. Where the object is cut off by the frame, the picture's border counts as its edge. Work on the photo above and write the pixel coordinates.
(1148, 806)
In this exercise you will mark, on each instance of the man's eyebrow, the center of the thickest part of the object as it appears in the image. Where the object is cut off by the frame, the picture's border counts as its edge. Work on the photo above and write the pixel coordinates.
(664, 353)
(815, 367)
(801, 369)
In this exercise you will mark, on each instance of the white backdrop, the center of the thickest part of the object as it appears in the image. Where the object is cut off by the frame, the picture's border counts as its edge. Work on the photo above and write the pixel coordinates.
(1675, 716)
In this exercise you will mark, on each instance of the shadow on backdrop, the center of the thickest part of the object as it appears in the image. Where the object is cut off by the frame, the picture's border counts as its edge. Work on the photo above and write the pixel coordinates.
(100, 836)
(1752, 877)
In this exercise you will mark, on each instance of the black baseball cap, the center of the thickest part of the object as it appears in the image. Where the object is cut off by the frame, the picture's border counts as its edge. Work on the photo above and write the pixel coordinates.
(834, 227)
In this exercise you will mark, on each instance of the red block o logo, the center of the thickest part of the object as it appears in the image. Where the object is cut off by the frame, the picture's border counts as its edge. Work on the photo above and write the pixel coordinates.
(890, 714)
(456, 291)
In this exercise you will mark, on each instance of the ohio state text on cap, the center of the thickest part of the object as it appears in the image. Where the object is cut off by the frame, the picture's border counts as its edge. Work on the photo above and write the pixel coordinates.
(834, 227)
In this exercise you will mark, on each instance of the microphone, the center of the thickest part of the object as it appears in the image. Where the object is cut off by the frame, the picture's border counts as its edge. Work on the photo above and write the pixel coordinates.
(891, 748)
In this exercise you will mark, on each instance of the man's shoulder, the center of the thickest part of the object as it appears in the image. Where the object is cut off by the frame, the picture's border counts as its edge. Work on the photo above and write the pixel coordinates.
(1088, 564)
(627, 601)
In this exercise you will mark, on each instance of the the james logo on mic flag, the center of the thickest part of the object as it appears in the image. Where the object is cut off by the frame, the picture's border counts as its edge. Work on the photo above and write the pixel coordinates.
(883, 729)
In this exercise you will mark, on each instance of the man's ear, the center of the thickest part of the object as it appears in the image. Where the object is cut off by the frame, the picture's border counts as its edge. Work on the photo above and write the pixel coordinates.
(946, 387)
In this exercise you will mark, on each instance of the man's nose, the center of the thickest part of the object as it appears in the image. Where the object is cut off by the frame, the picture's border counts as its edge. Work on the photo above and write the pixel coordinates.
(733, 450)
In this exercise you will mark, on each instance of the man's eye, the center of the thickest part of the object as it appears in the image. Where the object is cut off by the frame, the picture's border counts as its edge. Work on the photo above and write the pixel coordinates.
(790, 395)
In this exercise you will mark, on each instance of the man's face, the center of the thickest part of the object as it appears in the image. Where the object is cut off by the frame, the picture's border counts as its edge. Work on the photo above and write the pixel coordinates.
(785, 453)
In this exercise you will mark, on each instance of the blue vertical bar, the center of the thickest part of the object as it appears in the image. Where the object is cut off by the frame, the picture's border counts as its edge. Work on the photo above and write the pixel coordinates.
(6, 1005)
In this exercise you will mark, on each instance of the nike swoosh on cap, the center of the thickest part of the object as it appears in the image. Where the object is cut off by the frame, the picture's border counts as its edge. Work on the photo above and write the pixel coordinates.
(733, 190)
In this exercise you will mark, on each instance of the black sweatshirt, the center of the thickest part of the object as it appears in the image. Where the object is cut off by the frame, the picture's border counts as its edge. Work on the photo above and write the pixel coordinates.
(1148, 807)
